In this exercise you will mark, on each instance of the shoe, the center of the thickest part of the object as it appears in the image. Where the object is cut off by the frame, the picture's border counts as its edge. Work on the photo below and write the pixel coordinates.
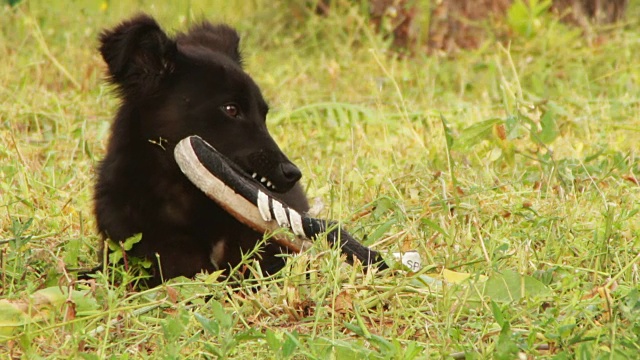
(238, 194)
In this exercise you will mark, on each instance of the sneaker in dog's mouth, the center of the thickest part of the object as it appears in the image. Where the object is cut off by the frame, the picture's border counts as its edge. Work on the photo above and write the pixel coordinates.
(264, 181)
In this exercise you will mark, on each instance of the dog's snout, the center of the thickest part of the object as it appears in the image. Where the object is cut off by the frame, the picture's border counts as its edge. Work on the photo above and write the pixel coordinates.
(290, 172)
(272, 169)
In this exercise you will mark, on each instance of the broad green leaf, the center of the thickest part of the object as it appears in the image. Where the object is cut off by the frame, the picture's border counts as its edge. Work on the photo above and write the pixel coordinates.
(174, 326)
(510, 286)
(289, 346)
(116, 253)
(128, 244)
(355, 328)
(448, 134)
(209, 326)
(249, 334)
(475, 133)
(523, 16)
(497, 313)
(506, 347)
(89, 356)
(380, 231)
(518, 18)
(57, 296)
(495, 154)
(12, 317)
(272, 340)
(549, 128)
(16, 313)
(456, 277)
(225, 320)
(382, 205)
(429, 223)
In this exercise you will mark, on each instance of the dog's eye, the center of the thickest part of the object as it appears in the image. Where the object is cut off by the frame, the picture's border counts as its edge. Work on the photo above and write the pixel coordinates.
(231, 110)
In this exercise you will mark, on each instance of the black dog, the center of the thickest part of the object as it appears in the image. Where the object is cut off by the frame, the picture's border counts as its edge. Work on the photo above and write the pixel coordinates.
(170, 88)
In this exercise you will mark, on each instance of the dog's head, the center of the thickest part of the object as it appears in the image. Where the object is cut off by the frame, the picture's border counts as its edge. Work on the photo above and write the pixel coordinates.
(194, 84)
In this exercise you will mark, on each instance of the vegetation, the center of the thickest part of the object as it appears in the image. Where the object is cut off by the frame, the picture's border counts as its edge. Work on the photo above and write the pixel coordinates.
(512, 169)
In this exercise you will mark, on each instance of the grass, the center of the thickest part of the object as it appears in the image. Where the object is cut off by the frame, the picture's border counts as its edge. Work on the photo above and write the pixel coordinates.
(516, 164)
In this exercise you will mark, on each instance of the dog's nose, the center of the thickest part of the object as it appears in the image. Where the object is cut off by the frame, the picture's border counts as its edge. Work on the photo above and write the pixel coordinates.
(290, 172)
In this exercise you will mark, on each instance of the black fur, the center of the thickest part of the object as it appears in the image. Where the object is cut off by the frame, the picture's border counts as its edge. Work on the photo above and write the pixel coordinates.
(171, 88)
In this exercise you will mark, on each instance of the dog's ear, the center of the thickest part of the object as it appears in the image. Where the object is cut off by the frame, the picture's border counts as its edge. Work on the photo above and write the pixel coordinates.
(138, 53)
(219, 38)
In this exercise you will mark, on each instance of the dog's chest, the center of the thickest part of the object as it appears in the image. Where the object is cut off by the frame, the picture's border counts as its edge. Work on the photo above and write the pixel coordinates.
(177, 203)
